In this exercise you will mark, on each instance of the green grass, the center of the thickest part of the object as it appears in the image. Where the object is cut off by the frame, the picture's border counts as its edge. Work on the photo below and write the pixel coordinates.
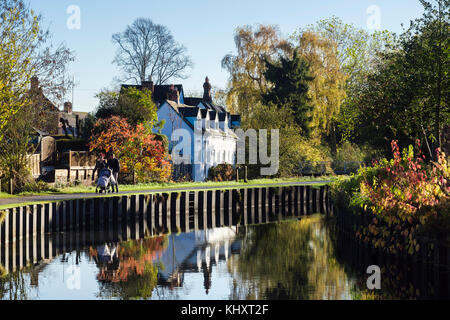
(169, 185)
(140, 188)
(4, 195)
(175, 185)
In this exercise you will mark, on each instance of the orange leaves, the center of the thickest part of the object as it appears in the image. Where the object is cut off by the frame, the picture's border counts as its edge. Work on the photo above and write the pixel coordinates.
(135, 147)
(400, 195)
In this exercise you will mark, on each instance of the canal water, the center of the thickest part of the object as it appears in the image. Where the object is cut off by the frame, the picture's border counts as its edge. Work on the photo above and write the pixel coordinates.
(297, 258)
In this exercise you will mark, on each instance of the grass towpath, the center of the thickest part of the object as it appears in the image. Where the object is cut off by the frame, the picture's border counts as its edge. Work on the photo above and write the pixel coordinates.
(8, 201)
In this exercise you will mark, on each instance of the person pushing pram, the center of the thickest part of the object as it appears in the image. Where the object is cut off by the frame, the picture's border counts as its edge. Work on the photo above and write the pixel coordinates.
(106, 181)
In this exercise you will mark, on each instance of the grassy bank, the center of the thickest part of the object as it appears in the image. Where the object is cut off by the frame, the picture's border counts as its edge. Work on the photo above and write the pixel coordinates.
(169, 185)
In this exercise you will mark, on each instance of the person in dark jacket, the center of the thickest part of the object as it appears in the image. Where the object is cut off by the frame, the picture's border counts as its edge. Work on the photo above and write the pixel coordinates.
(99, 165)
(114, 165)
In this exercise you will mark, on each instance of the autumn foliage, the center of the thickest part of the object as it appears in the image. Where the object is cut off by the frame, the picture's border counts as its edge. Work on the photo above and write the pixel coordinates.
(137, 148)
(401, 198)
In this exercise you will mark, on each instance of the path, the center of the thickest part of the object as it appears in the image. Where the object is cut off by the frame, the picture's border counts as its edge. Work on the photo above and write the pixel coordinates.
(59, 197)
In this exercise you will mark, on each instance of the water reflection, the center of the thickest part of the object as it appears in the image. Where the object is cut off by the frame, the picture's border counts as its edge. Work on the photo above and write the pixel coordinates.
(294, 259)
(289, 260)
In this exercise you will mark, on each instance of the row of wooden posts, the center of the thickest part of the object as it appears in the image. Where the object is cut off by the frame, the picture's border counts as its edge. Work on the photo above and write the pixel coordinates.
(26, 229)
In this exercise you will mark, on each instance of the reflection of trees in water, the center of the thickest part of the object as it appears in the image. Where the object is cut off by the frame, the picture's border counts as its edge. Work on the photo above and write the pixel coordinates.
(132, 274)
(14, 286)
(401, 277)
(288, 260)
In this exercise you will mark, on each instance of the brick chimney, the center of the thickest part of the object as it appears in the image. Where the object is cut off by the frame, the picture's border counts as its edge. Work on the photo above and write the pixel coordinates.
(173, 94)
(149, 85)
(207, 91)
(68, 107)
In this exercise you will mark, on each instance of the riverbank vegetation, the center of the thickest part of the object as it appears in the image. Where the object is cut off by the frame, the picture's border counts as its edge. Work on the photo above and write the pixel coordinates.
(403, 199)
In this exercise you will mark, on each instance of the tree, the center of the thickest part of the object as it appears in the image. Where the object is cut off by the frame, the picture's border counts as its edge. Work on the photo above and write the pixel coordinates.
(327, 89)
(247, 83)
(406, 97)
(135, 105)
(20, 32)
(290, 81)
(358, 54)
(25, 51)
(140, 151)
(426, 47)
(148, 50)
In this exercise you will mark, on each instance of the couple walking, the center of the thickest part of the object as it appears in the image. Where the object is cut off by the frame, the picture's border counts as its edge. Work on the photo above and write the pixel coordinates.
(111, 163)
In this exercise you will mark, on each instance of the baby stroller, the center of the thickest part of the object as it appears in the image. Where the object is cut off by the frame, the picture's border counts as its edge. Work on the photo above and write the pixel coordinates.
(105, 181)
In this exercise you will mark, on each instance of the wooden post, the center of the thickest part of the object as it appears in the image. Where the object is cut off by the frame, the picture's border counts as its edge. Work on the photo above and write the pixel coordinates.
(308, 199)
(228, 207)
(127, 218)
(221, 206)
(258, 204)
(176, 212)
(187, 214)
(202, 208)
(264, 200)
(142, 216)
(234, 207)
(131, 217)
(211, 209)
(5, 239)
(28, 232)
(251, 206)
(244, 207)
(281, 203)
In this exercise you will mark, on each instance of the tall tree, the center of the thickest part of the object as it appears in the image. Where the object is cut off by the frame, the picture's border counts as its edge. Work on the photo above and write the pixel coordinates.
(406, 97)
(25, 51)
(427, 52)
(290, 81)
(148, 50)
(358, 53)
(132, 104)
(247, 83)
(327, 90)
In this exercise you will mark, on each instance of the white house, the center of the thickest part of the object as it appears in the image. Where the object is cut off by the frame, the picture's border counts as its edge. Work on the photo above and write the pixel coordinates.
(200, 133)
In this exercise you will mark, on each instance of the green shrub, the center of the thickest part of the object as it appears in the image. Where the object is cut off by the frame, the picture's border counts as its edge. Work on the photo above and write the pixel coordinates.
(222, 172)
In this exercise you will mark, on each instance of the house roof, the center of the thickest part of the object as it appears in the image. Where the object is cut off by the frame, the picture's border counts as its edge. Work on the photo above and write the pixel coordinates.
(204, 113)
(192, 101)
(189, 111)
(212, 115)
(235, 117)
(160, 91)
(178, 109)
(222, 116)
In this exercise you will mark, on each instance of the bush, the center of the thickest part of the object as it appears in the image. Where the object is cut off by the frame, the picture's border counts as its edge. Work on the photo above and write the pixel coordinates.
(310, 160)
(37, 186)
(222, 172)
(402, 198)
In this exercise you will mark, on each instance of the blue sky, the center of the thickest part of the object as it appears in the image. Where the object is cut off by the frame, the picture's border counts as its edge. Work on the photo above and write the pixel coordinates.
(204, 27)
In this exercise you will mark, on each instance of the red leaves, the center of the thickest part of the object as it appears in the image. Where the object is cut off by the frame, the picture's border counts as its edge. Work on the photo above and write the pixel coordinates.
(400, 193)
(136, 148)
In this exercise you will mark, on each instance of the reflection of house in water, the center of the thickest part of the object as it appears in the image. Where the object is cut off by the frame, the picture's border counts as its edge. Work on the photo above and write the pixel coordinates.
(197, 252)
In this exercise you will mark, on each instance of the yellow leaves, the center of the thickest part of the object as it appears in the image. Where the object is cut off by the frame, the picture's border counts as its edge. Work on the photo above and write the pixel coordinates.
(327, 90)
(19, 32)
